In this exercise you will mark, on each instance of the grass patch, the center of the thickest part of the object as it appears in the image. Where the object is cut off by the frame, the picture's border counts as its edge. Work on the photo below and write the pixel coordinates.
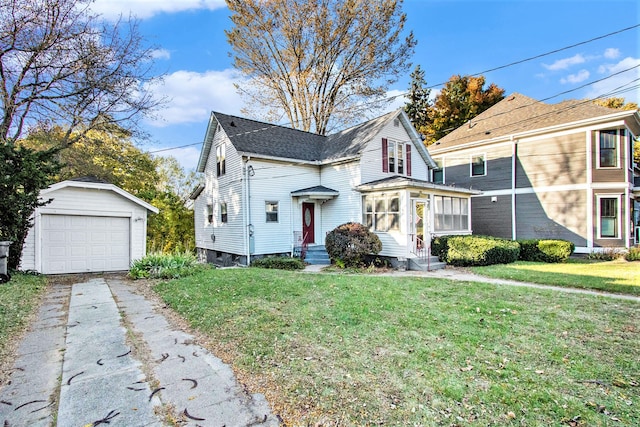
(618, 276)
(18, 299)
(363, 350)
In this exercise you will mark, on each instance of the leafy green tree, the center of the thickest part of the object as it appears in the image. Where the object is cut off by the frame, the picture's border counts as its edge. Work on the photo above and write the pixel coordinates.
(460, 100)
(109, 155)
(23, 172)
(418, 103)
(316, 60)
(61, 66)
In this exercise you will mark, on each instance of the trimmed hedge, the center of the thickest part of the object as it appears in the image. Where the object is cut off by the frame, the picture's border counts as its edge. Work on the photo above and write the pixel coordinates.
(279, 263)
(551, 251)
(465, 251)
(349, 244)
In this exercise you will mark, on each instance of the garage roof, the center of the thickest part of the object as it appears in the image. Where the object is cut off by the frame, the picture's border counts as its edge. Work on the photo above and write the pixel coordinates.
(96, 184)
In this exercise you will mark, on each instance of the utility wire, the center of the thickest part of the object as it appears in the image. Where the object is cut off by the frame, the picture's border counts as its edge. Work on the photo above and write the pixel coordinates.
(391, 98)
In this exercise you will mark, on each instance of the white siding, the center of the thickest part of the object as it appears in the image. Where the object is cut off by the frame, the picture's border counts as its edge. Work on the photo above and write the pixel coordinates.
(371, 161)
(348, 205)
(87, 202)
(229, 236)
(274, 181)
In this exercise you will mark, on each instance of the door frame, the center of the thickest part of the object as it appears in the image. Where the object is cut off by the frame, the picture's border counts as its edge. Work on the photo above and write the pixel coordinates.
(424, 236)
(308, 230)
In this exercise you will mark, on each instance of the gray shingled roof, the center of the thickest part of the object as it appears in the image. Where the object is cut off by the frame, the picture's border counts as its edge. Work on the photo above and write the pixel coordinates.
(253, 137)
(517, 113)
(351, 142)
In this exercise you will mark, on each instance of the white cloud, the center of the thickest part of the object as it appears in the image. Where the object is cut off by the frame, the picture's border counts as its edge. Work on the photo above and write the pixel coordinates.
(161, 54)
(563, 64)
(581, 76)
(624, 80)
(192, 96)
(112, 9)
(612, 53)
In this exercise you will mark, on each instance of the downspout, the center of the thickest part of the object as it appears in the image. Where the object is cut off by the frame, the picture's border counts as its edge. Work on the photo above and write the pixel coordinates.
(248, 227)
(514, 165)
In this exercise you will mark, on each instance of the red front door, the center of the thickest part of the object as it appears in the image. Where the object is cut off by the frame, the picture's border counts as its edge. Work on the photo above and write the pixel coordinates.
(307, 223)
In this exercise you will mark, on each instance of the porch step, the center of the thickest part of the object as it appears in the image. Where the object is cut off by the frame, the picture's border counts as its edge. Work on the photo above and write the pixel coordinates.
(317, 255)
(430, 264)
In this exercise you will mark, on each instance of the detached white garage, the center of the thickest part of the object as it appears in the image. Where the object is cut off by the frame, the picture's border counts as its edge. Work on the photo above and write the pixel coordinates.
(89, 226)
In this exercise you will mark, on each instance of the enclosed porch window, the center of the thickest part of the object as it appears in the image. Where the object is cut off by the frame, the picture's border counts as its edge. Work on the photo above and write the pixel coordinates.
(381, 212)
(451, 213)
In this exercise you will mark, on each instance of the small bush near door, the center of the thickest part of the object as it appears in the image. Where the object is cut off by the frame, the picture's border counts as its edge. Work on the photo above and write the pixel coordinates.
(166, 266)
(349, 244)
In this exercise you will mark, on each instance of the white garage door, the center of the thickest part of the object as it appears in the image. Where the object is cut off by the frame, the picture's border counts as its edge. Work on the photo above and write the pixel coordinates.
(77, 244)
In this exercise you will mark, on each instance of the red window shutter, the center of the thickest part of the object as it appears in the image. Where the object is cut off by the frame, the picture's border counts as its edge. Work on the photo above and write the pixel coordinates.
(385, 155)
(408, 160)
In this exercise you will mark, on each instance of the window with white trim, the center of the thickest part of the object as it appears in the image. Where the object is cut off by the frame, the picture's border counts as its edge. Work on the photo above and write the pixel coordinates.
(438, 173)
(381, 212)
(223, 212)
(451, 213)
(478, 165)
(608, 217)
(271, 209)
(608, 147)
(221, 162)
(396, 157)
(210, 214)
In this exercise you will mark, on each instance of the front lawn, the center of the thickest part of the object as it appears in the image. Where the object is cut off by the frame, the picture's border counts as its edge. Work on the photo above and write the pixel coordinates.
(363, 350)
(618, 276)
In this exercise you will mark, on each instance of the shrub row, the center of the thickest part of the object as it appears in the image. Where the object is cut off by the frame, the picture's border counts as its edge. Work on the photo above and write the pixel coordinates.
(278, 262)
(487, 250)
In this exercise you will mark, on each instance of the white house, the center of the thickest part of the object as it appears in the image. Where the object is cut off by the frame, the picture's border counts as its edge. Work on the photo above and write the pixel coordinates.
(89, 226)
(270, 189)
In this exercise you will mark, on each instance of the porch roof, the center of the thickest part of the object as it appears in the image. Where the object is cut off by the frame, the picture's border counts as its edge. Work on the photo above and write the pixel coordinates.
(407, 183)
(319, 192)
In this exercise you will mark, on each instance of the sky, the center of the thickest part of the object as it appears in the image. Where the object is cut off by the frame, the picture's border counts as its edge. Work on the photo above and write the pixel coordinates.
(463, 37)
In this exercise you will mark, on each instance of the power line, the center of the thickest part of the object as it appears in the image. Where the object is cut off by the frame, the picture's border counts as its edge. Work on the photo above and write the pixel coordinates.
(391, 98)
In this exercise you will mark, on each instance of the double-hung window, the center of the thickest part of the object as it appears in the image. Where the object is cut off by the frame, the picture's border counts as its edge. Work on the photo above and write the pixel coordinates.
(271, 209)
(438, 173)
(608, 216)
(478, 165)
(223, 212)
(608, 148)
(209, 214)
(221, 164)
(396, 157)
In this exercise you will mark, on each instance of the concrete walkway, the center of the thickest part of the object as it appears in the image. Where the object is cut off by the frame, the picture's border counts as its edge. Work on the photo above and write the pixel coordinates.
(98, 353)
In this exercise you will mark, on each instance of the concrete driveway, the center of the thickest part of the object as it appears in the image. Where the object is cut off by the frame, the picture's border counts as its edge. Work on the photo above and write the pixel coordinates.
(98, 353)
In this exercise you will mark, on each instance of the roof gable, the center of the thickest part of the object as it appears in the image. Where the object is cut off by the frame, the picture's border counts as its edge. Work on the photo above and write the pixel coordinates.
(89, 184)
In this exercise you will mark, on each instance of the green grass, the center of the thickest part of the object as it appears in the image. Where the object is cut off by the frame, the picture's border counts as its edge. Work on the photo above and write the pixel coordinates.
(618, 276)
(363, 350)
(18, 299)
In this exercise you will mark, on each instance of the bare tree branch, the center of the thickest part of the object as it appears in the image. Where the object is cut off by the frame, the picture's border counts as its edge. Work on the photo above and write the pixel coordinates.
(315, 59)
